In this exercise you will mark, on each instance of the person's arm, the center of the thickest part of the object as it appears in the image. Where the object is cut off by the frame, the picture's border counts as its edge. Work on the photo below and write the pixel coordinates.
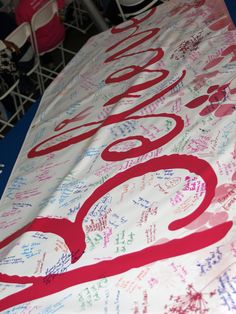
(61, 9)
(10, 45)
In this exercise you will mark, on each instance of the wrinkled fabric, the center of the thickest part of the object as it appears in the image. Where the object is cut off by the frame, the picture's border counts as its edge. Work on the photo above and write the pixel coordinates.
(123, 197)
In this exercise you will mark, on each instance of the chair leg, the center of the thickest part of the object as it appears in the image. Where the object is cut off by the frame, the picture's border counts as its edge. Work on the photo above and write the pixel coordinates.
(76, 11)
(121, 11)
(63, 56)
(40, 82)
(15, 104)
(20, 100)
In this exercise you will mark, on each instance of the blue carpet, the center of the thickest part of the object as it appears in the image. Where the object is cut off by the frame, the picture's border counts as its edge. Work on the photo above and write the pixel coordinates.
(231, 5)
(11, 144)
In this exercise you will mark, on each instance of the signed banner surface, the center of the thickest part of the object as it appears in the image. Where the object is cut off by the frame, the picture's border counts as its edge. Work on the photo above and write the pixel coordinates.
(123, 197)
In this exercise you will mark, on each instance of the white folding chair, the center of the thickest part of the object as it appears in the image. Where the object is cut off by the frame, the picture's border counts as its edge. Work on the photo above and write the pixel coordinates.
(122, 4)
(6, 122)
(41, 18)
(19, 37)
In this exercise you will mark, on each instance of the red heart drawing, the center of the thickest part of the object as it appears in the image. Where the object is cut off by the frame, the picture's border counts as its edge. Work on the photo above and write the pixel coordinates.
(74, 237)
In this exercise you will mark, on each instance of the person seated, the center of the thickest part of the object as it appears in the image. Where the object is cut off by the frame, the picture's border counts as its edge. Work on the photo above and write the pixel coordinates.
(8, 74)
(14, 62)
(49, 35)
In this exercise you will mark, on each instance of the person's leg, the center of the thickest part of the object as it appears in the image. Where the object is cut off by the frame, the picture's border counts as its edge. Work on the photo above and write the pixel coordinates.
(6, 80)
(47, 58)
(24, 63)
(24, 60)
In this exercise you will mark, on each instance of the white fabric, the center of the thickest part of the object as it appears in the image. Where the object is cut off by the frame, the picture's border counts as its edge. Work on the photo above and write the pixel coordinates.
(123, 197)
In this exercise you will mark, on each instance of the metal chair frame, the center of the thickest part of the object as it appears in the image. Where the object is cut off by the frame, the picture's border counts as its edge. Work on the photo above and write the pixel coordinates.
(19, 37)
(78, 19)
(41, 18)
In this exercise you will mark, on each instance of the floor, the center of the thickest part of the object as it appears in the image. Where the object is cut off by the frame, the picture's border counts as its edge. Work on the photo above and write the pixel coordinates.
(75, 39)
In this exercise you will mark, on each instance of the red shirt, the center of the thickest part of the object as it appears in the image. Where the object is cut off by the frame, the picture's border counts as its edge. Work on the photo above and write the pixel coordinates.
(50, 35)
